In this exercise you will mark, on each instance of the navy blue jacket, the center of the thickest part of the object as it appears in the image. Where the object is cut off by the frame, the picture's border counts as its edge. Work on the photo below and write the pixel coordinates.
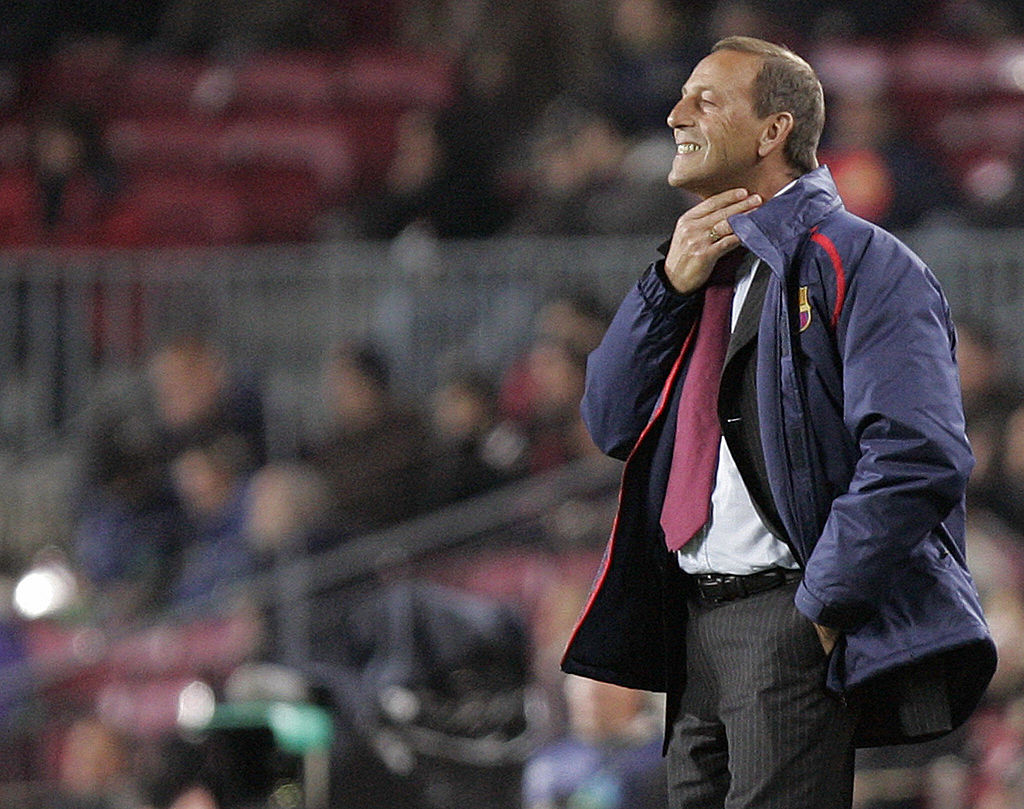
(862, 429)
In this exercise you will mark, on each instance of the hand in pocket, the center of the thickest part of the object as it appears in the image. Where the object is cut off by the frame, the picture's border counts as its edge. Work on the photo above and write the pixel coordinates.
(827, 636)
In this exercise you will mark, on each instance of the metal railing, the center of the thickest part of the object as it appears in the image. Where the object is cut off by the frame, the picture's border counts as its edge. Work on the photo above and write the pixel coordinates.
(74, 321)
(71, 318)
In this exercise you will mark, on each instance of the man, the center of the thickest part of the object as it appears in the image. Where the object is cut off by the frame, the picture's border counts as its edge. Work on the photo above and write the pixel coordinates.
(802, 589)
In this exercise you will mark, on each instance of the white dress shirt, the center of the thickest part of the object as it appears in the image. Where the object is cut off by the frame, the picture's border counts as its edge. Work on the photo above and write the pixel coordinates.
(734, 539)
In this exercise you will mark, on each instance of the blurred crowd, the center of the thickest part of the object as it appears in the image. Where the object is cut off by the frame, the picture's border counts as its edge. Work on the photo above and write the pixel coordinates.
(180, 498)
(310, 119)
(181, 512)
(550, 120)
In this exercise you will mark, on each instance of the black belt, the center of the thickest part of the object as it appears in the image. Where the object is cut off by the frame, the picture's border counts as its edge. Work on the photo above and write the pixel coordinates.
(719, 587)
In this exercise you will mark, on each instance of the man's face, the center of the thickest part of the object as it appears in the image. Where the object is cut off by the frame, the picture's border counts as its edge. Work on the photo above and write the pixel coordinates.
(715, 128)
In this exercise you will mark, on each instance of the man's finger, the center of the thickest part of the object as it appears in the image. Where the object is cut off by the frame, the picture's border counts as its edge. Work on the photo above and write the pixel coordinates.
(716, 202)
(721, 215)
(724, 245)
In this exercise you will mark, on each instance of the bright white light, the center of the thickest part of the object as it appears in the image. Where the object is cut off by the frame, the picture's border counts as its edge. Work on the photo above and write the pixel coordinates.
(990, 181)
(1015, 70)
(196, 703)
(43, 591)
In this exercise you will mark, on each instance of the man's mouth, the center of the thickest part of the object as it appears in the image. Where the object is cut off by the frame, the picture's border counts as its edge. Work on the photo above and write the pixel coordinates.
(687, 148)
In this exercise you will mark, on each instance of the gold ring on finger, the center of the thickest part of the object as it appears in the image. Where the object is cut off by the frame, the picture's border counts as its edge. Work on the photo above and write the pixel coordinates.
(713, 235)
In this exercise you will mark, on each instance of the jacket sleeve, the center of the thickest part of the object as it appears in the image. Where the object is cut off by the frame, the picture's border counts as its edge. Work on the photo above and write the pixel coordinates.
(902, 406)
(627, 371)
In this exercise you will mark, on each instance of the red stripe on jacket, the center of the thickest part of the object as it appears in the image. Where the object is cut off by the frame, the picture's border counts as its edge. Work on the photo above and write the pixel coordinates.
(837, 263)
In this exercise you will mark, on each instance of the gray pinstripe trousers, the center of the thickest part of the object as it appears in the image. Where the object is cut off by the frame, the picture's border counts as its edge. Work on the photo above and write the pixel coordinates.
(756, 729)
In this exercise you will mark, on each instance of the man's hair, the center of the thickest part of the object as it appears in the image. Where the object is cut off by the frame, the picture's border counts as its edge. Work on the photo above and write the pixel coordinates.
(786, 83)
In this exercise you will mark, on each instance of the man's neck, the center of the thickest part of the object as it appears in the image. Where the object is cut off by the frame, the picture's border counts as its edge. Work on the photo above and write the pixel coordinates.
(785, 188)
(772, 186)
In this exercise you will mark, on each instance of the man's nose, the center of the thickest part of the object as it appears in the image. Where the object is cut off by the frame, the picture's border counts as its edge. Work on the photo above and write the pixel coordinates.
(679, 114)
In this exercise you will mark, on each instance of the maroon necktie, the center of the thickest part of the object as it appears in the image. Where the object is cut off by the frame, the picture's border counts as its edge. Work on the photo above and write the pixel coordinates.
(698, 434)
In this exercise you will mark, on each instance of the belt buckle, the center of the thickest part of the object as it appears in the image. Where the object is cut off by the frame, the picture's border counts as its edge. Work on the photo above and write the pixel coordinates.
(736, 587)
(721, 588)
(714, 591)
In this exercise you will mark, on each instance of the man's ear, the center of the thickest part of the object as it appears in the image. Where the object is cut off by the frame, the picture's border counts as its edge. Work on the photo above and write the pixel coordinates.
(774, 134)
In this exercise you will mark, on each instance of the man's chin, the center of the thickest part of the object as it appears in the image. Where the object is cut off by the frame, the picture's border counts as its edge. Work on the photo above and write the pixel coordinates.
(684, 183)
(677, 181)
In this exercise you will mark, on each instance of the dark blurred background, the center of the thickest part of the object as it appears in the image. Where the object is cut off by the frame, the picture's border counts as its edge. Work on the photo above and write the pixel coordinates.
(295, 301)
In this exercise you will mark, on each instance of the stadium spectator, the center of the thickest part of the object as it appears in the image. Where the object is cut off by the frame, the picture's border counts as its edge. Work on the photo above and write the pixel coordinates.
(195, 392)
(552, 426)
(211, 477)
(449, 170)
(94, 768)
(650, 46)
(488, 84)
(582, 180)
(287, 506)
(989, 396)
(540, 393)
(409, 185)
(985, 379)
(66, 194)
(128, 525)
(575, 319)
(609, 759)
(995, 423)
(1004, 484)
(880, 171)
(472, 454)
(438, 179)
(374, 450)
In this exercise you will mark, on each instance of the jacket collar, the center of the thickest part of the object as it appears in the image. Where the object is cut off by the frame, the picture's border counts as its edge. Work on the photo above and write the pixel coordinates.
(776, 229)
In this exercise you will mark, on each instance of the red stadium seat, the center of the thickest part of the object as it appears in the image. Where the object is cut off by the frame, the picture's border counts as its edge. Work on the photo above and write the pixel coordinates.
(165, 142)
(397, 78)
(938, 67)
(851, 67)
(159, 84)
(969, 133)
(371, 136)
(20, 226)
(322, 149)
(14, 144)
(281, 204)
(285, 81)
(177, 211)
(87, 73)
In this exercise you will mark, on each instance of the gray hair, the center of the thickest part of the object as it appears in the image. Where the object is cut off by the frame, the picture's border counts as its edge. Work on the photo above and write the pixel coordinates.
(786, 83)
